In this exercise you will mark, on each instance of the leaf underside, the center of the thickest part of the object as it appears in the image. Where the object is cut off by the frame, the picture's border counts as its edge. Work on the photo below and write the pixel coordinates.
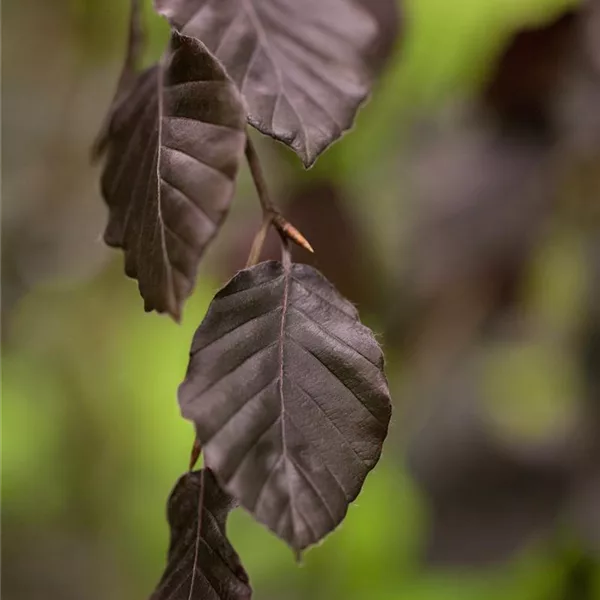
(173, 147)
(202, 564)
(302, 67)
(287, 392)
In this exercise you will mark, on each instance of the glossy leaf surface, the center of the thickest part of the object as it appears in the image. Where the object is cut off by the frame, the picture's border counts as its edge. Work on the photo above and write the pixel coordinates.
(287, 391)
(302, 67)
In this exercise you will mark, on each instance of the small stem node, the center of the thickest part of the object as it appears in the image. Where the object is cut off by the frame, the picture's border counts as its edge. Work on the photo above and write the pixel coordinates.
(258, 242)
(288, 231)
(271, 214)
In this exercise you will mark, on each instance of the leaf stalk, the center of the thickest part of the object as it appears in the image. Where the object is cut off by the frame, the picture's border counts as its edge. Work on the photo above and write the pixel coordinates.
(271, 214)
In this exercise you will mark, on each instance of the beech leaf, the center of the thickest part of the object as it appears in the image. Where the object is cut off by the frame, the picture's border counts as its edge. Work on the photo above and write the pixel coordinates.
(173, 145)
(302, 67)
(202, 564)
(287, 391)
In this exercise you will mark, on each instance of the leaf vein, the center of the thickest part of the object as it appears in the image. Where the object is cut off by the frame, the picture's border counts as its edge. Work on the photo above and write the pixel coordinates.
(233, 330)
(238, 366)
(358, 399)
(330, 420)
(252, 446)
(199, 161)
(333, 336)
(309, 290)
(200, 210)
(235, 412)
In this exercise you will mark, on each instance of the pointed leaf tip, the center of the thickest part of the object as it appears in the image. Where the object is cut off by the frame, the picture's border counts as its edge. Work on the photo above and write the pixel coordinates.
(304, 68)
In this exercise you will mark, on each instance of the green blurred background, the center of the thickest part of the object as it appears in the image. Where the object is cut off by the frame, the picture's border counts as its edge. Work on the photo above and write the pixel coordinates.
(92, 440)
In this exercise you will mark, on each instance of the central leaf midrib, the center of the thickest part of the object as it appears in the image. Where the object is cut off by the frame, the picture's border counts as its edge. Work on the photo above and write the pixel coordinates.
(284, 309)
(264, 39)
(172, 295)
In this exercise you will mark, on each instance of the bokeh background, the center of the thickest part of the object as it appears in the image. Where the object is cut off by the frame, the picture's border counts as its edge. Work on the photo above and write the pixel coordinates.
(461, 215)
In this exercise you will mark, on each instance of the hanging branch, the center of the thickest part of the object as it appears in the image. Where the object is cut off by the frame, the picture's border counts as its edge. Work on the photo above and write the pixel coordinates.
(172, 143)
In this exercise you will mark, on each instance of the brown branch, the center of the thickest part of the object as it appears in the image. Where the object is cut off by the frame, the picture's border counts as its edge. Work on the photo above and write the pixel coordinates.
(258, 242)
(271, 214)
(195, 454)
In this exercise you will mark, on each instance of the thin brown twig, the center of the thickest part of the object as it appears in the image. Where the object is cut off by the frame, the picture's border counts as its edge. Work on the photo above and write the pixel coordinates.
(195, 453)
(259, 178)
(271, 214)
(258, 242)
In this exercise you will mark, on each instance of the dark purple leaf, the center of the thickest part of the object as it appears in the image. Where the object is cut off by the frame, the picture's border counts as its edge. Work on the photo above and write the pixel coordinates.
(388, 20)
(301, 66)
(202, 564)
(173, 148)
(482, 213)
(586, 489)
(585, 499)
(590, 37)
(287, 391)
(522, 89)
(487, 500)
(580, 94)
